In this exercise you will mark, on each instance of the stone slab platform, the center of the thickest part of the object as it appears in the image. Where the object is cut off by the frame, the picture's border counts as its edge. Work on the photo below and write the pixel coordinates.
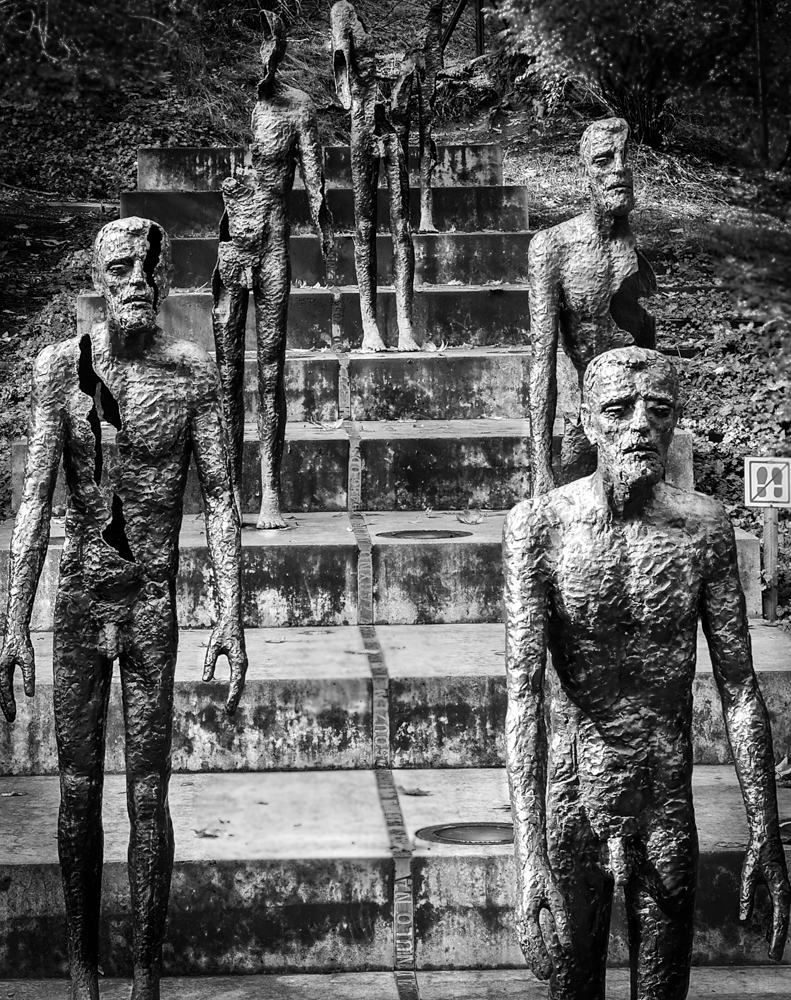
(305, 576)
(456, 209)
(293, 872)
(727, 983)
(183, 168)
(475, 315)
(308, 702)
(440, 259)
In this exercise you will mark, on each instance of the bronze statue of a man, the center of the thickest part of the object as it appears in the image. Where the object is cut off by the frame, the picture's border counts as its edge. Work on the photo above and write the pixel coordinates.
(610, 574)
(157, 401)
(254, 256)
(586, 277)
(374, 137)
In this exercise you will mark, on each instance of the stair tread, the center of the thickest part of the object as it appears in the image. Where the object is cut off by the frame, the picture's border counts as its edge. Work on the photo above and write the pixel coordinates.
(725, 983)
(323, 814)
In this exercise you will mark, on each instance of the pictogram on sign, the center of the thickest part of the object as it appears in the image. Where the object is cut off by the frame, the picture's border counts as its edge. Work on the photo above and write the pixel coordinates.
(767, 482)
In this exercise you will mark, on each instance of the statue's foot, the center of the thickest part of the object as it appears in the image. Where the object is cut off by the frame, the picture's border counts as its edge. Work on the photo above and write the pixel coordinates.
(270, 517)
(237, 499)
(429, 227)
(406, 342)
(373, 342)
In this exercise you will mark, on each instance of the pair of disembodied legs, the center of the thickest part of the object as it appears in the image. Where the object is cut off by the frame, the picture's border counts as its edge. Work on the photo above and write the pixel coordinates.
(271, 289)
(659, 897)
(147, 654)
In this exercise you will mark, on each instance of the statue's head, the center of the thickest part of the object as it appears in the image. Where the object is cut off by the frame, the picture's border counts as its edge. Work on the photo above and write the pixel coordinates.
(629, 412)
(604, 152)
(273, 46)
(132, 269)
(353, 53)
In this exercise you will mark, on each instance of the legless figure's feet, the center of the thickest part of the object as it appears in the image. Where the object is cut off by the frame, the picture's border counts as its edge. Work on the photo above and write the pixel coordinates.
(372, 340)
(237, 499)
(270, 516)
(145, 987)
(84, 986)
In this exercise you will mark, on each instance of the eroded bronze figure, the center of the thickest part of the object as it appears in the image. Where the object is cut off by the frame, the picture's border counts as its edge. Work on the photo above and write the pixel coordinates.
(610, 574)
(125, 406)
(375, 138)
(586, 277)
(254, 256)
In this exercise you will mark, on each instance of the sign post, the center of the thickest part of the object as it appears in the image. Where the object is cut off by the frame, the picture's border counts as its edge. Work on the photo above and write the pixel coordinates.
(767, 484)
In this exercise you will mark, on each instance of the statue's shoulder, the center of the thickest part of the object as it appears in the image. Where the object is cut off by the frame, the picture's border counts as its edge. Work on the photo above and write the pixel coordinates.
(529, 520)
(558, 239)
(699, 512)
(188, 356)
(300, 101)
(57, 361)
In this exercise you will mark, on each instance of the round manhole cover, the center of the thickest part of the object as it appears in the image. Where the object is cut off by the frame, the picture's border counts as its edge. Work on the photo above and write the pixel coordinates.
(468, 833)
(424, 533)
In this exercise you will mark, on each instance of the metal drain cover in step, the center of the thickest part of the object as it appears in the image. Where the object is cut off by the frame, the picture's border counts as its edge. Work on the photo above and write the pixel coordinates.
(423, 533)
(468, 833)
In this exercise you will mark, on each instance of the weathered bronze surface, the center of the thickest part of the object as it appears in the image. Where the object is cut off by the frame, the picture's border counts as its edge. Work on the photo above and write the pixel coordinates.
(375, 135)
(254, 256)
(610, 574)
(426, 55)
(586, 277)
(159, 399)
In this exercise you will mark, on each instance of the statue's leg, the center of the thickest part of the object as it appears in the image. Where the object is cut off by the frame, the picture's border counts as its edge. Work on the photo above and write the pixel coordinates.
(574, 855)
(81, 690)
(428, 149)
(229, 316)
(147, 667)
(272, 288)
(660, 905)
(365, 180)
(403, 250)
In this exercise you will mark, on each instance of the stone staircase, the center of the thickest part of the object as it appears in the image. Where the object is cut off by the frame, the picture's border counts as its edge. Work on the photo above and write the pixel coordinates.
(375, 698)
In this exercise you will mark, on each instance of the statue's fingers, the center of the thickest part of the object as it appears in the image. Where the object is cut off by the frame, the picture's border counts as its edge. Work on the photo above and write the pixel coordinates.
(28, 665)
(747, 888)
(535, 949)
(7, 701)
(210, 663)
(781, 897)
(560, 918)
(238, 670)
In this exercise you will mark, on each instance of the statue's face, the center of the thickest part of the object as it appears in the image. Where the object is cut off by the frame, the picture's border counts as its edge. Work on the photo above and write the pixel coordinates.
(630, 415)
(609, 174)
(353, 55)
(131, 295)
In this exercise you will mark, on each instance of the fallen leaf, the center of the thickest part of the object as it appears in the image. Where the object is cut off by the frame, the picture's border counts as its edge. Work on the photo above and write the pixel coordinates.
(413, 791)
(12, 795)
(206, 834)
(470, 516)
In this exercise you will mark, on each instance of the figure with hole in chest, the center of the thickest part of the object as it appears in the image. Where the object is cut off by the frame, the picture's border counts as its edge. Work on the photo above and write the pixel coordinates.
(610, 574)
(126, 407)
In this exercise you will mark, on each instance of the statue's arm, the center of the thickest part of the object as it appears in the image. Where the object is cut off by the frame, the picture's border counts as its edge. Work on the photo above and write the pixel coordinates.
(46, 431)
(525, 556)
(544, 300)
(312, 170)
(223, 530)
(724, 622)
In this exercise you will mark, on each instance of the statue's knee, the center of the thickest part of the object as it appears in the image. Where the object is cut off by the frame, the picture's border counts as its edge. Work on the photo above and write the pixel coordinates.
(80, 784)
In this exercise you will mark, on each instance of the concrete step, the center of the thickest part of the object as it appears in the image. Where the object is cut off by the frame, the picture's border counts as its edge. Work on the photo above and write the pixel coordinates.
(406, 465)
(303, 576)
(448, 695)
(463, 209)
(314, 471)
(308, 575)
(440, 259)
(308, 702)
(477, 315)
(306, 705)
(439, 580)
(293, 873)
(204, 168)
(726, 983)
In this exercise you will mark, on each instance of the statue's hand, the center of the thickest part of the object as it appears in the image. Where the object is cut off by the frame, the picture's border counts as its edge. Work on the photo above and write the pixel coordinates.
(765, 861)
(17, 652)
(228, 638)
(542, 946)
